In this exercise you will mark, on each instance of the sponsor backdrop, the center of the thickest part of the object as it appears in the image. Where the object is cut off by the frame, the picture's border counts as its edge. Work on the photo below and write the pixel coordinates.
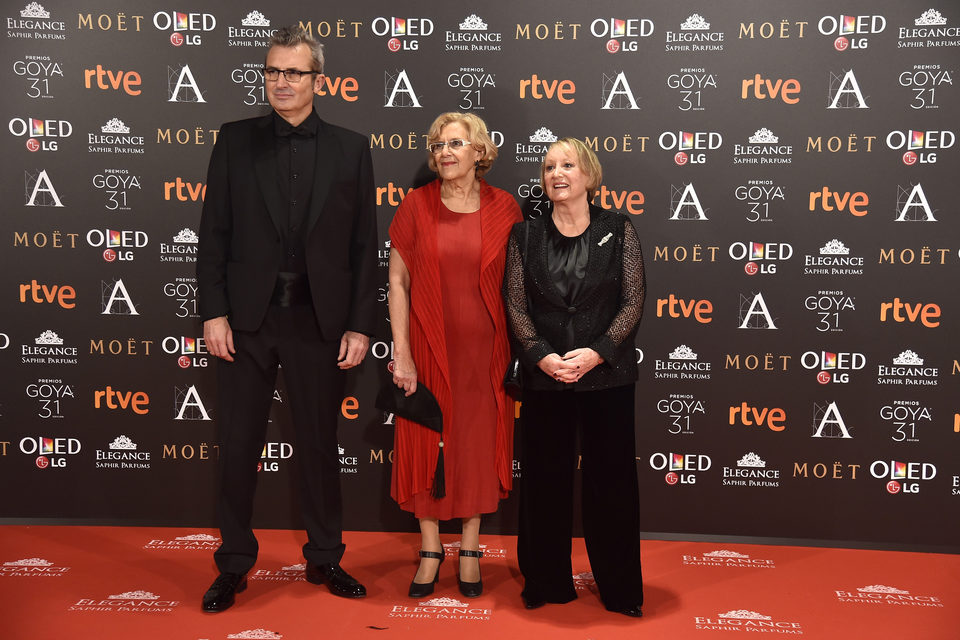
(791, 171)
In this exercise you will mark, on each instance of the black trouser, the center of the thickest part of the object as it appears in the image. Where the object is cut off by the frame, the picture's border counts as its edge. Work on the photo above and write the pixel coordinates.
(549, 424)
(290, 337)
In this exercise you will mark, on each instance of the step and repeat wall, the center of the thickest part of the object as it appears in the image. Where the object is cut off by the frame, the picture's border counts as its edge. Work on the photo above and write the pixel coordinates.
(791, 169)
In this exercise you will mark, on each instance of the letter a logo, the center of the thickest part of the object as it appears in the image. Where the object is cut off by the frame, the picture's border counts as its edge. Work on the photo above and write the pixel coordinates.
(398, 85)
(913, 207)
(845, 92)
(41, 185)
(617, 93)
(116, 299)
(829, 417)
(754, 313)
(189, 405)
(182, 78)
(685, 205)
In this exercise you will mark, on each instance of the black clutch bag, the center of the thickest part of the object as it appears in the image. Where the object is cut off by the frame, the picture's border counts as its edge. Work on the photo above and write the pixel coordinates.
(513, 379)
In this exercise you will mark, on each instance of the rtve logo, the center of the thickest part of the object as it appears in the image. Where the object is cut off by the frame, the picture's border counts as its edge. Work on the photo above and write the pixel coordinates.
(764, 88)
(749, 416)
(562, 90)
(184, 191)
(679, 308)
(63, 295)
(855, 202)
(112, 80)
(136, 401)
(928, 314)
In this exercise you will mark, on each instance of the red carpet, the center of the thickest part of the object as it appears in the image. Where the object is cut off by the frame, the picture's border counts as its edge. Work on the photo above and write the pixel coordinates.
(145, 583)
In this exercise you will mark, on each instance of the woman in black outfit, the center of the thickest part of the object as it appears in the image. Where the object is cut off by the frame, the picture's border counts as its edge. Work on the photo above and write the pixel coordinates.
(574, 289)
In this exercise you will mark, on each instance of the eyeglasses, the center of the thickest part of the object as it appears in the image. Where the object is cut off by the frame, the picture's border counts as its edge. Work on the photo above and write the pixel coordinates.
(290, 75)
(455, 144)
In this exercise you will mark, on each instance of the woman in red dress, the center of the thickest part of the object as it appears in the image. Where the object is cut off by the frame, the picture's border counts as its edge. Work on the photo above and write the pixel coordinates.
(448, 243)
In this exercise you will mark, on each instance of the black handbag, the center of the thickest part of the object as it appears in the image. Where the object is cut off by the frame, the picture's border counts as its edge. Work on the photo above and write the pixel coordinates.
(513, 377)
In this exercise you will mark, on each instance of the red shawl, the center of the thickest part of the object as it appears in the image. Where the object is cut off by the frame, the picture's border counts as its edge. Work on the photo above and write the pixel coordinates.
(413, 233)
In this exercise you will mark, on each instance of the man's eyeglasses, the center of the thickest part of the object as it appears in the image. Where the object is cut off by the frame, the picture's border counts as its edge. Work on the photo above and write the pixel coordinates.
(290, 75)
(455, 144)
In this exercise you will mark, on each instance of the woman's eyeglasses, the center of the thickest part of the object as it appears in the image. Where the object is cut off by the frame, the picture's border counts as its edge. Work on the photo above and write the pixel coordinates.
(455, 144)
(290, 75)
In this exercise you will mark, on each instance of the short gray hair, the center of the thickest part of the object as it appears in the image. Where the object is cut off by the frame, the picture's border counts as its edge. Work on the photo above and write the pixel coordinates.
(292, 36)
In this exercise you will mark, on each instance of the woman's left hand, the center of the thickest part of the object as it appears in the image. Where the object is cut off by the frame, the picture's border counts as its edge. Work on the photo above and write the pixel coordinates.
(577, 363)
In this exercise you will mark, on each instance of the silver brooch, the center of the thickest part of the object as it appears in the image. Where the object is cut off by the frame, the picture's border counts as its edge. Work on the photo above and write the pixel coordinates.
(604, 239)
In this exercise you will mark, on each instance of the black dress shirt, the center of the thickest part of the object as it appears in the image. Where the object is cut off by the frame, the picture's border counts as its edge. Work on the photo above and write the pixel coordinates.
(296, 161)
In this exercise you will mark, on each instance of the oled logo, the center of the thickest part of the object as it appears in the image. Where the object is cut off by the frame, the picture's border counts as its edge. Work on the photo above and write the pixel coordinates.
(38, 71)
(681, 468)
(921, 146)
(621, 34)
(828, 422)
(615, 92)
(398, 91)
(760, 88)
(928, 314)
(39, 190)
(63, 295)
(761, 257)
(903, 477)
(679, 308)
(851, 31)
(50, 452)
(118, 245)
(190, 352)
(844, 92)
(690, 147)
(754, 313)
(182, 86)
(833, 367)
(539, 89)
(273, 453)
(107, 80)
(402, 31)
(42, 135)
(186, 27)
(685, 203)
(690, 83)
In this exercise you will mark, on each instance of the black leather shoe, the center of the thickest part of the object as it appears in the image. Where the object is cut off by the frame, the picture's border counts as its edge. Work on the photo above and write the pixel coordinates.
(533, 603)
(470, 589)
(423, 589)
(337, 580)
(634, 612)
(220, 595)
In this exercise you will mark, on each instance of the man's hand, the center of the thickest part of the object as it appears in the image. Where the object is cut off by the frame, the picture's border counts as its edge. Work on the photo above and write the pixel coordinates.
(353, 347)
(219, 338)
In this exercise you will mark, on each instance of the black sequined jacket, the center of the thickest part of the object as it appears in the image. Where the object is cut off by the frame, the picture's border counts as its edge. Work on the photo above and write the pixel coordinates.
(606, 317)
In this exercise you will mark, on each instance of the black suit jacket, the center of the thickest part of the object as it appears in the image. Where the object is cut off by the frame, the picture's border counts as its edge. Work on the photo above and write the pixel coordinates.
(608, 310)
(241, 249)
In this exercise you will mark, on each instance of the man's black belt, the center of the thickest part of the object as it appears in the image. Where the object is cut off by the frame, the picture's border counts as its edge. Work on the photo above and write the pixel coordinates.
(291, 289)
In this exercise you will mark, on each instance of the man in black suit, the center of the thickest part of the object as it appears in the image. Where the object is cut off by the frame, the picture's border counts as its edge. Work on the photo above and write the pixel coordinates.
(287, 275)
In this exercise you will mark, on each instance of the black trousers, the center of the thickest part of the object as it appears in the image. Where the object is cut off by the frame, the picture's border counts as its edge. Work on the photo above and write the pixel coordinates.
(549, 424)
(289, 337)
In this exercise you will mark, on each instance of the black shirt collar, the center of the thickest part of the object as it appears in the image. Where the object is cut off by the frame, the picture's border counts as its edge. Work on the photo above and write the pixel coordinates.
(307, 129)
